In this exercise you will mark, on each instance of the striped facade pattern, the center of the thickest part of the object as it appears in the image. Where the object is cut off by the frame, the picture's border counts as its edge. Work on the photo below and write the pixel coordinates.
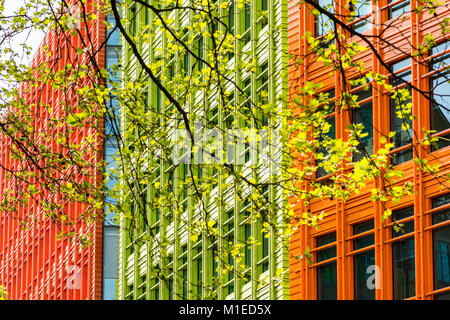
(191, 261)
(34, 263)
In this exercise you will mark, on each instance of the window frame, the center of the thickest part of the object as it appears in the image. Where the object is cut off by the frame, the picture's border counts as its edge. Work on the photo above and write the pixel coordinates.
(366, 18)
(391, 4)
(431, 228)
(316, 20)
(330, 115)
(395, 239)
(431, 74)
(318, 264)
(392, 106)
(354, 253)
(352, 109)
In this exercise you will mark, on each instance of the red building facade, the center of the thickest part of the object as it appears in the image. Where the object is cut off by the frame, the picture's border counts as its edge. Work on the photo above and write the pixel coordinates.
(34, 262)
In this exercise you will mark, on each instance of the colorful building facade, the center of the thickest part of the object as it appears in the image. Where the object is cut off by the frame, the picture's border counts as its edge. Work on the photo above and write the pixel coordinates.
(356, 254)
(186, 269)
(36, 262)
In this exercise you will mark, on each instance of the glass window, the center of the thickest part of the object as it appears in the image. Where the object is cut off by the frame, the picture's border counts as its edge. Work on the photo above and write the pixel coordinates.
(398, 9)
(264, 5)
(441, 248)
(363, 115)
(323, 24)
(362, 9)
(183, 272)
(158, 100)
(404, 269)
(248, 247)
(213, 266)
(403, 258)
(110, 149)
(247, 19)
(361, 228)
(405, 227)
(399, 116)
(142, 288)
(170, 288)
(231, 18)
(441, 201)
(228, 230)
(442, 296)
(331, 120)
(133, 20)
(198, 265)
(363, 261)
(200, 53)
(332, 135)
(186, 64)
(112, 61)
(405, 74)
(247, 22)
(154, 291)
(109, 262)
(440, 88)
(246, 233)
(326, 274)
(113, 32)
(265, 254)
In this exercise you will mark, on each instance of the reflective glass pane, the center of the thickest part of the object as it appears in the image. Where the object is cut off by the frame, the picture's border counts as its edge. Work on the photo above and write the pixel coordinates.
(109, 289)
(443, 215)
(332, 135)
(326, 254)
(326, 274)
(402, 156)
(364, 289)
(363, 227)
(364, 241)
(363, 115)
(402, 137)
(398, 9)
(323, 24)
(440, 86)
(441, 239)
(109, 262)
(323, 240)
(363, 8)
(442, 296)
(407, 226)
(327, 282)
(404, 269)
(441, 201)
(113, 33)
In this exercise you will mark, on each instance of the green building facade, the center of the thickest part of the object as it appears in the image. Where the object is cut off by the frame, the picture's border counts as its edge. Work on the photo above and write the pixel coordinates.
(159, 258)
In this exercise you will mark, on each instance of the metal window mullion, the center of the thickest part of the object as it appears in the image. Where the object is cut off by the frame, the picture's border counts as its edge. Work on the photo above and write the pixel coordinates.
(165, 177)
(151, 101)
(254, 154)
(220, 246)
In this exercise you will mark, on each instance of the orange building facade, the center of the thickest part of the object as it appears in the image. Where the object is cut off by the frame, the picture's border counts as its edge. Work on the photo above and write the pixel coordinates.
(355, 254)
(34, 262)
